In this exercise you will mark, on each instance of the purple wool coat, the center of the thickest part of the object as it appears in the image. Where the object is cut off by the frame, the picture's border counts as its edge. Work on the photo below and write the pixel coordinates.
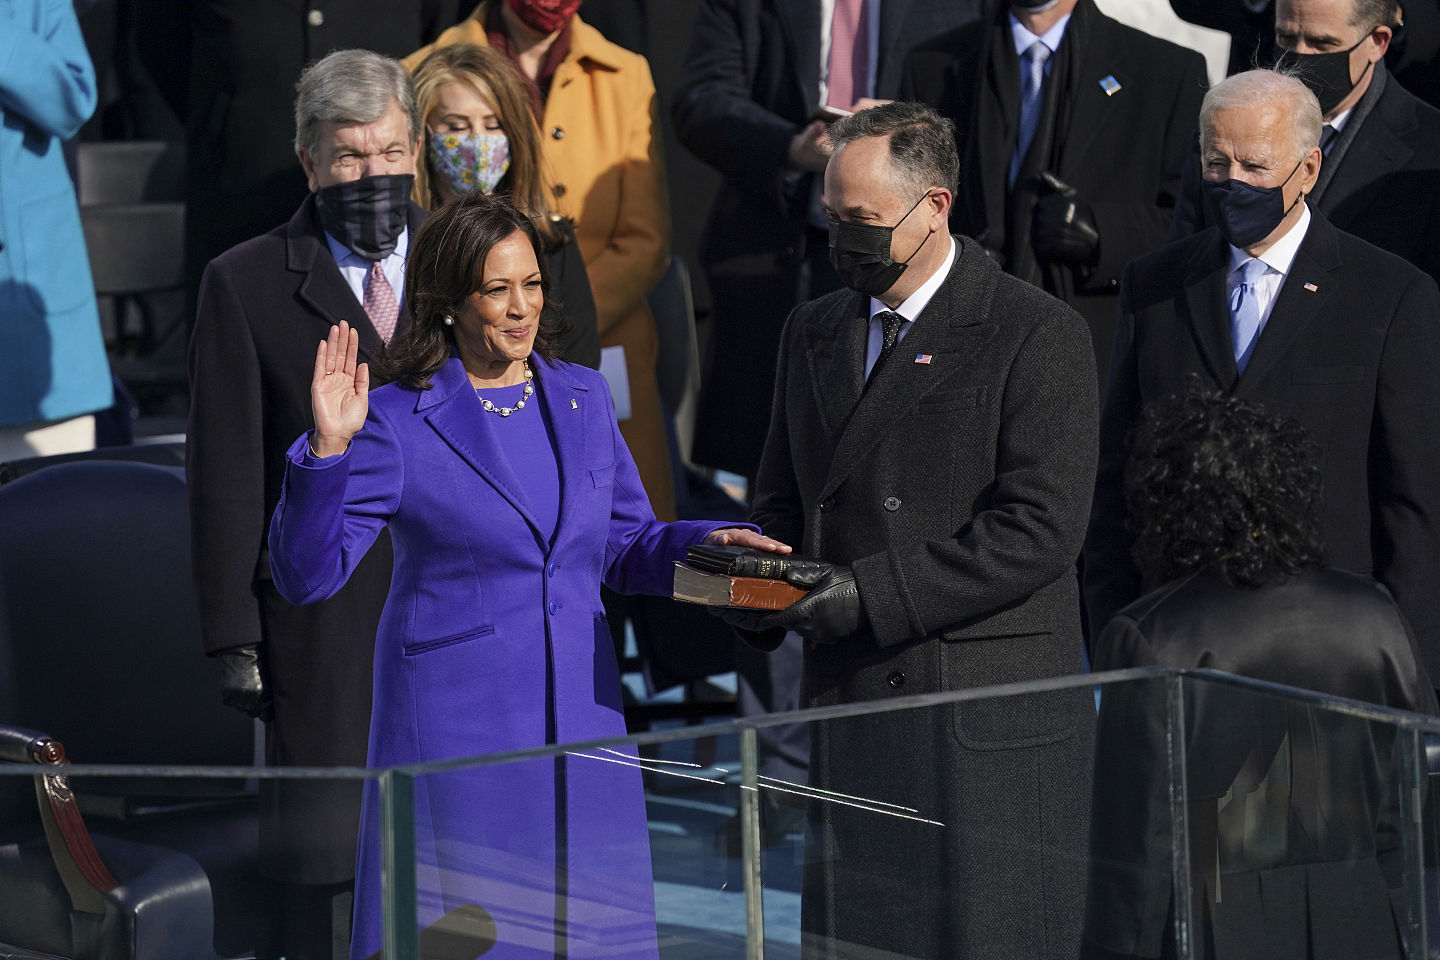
(494, 639)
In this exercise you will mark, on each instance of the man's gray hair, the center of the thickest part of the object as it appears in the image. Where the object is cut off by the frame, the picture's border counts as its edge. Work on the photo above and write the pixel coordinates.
(922, 143)
(350, 87)
(1254, 89)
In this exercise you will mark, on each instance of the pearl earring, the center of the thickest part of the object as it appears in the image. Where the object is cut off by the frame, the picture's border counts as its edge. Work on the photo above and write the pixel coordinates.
(449, 320)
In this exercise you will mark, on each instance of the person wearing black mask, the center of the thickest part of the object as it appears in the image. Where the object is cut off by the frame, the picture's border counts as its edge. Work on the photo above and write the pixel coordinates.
(1380, 180)
(1274, 305)
(933, 445)
(262, 306)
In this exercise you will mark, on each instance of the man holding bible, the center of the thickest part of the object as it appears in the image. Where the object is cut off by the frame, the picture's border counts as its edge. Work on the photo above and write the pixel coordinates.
(933, 439)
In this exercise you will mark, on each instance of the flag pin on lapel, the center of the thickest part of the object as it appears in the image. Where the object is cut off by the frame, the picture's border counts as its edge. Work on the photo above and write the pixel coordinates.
(922, 358)
(1311, 287)
(573, 404)
(1110, 85)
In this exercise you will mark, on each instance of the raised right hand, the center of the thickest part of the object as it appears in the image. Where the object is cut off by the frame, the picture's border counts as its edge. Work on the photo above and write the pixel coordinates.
(339, 391)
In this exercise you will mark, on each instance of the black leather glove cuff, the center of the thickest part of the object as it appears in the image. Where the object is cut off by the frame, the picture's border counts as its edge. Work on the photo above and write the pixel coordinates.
(242, 683)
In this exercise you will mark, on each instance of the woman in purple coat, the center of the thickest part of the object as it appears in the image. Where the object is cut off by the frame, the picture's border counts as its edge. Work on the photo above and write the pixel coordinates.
(510, 498)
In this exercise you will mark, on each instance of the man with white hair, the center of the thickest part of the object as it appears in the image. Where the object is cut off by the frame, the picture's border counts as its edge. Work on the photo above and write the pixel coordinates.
(1274, 305)
(263, 306)
(1381, 179)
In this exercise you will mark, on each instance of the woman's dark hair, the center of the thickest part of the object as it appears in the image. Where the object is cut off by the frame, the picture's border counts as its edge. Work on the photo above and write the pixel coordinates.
(446, 264)
(1217, 483)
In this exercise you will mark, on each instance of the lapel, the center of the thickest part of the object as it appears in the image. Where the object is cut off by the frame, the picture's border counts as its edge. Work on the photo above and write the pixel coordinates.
(1379, 145)
(570, 427)
(1295, 307)
(322, 287)
(802, 23)
(950, 329)
(1091, 107)
(453, 411)
(1208, 314)
(835, 353)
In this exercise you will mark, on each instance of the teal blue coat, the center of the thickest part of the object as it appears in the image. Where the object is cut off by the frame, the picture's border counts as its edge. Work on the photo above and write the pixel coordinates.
(53, 363)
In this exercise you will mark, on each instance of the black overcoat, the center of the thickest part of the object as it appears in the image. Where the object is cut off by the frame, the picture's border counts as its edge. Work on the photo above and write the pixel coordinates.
(1351, 350)
(1131, 119)
(957, 489)
(264, 306)
(750, 84)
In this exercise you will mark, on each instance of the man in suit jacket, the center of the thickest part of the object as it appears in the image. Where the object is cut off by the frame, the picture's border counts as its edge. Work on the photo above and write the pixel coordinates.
(746, 104)
(1277, 306)
(949, 492)
(263, 306)
(1381, 177)
(1066, 182)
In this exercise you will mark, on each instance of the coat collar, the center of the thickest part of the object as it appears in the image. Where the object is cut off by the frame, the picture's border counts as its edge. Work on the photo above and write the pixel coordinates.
(586, 43)
(454, 412)
(1381, 144)
(1300, 298)
(322, 288)
(950, 329)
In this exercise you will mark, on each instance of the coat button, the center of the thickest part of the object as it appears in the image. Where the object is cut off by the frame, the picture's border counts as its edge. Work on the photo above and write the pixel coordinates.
(558, 189)
(896, 679)
(554, 607)
(557, 133)
(827, 504)
(316, 18)
(553, 568)
(891, 503)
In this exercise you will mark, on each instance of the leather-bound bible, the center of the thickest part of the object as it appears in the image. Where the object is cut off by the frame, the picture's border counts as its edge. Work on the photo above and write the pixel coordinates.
(694, 585)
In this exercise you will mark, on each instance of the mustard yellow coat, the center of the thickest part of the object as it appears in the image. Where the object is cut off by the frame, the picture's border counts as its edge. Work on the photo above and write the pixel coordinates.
(602, 147)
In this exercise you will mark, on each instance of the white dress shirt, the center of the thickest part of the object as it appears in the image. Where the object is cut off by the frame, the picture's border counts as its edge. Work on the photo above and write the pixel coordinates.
(910, 310)
(1051, 38)
(354, 267)
(1278, 258)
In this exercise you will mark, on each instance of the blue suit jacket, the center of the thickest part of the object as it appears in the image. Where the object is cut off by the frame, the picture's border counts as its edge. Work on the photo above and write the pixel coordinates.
(493, 638)
(53, 365)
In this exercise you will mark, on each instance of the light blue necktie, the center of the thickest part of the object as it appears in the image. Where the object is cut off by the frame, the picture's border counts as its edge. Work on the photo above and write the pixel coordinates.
(1032, 99)
(1245, 312)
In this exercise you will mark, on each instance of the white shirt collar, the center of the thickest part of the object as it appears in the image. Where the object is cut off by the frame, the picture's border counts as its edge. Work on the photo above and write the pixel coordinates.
(920, 299)
(1282, 252)
(1338, 121)
(1051, 38)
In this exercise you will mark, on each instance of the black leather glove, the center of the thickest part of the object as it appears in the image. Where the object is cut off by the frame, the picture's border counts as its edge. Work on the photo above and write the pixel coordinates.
(830, 611)
(242, 685)
(1063, 227)
(746, 622)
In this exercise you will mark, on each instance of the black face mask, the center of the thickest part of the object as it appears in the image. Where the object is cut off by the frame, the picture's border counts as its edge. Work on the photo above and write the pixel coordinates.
(366, 215)
(1033, 5)
(1326, 74)
(860, 253)
(1246, 213)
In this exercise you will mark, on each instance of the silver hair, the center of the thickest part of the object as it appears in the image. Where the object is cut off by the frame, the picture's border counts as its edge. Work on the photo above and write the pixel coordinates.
(1257, 88)
(351, 87)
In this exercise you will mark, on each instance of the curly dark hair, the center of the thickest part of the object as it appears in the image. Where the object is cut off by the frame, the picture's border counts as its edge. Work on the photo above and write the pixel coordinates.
(1217, 483)
(445, 265)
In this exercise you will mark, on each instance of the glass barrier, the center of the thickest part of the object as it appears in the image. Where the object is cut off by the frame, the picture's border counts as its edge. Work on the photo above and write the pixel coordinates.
(1191, 815)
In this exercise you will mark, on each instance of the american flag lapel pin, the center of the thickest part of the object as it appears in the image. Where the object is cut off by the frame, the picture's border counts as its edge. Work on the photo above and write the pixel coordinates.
(922, 358)
(1110, 85)
(1311, 287)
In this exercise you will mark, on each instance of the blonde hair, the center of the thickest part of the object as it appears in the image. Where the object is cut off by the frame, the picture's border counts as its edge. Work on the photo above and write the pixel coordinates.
(493, 77)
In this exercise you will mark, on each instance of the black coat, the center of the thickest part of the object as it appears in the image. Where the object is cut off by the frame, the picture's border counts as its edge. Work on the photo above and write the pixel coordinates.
(1298, 854)
(1356, 360)
(264, 306)
(1386, 188)
(957, 491)
(750, 84)
(1122, 151)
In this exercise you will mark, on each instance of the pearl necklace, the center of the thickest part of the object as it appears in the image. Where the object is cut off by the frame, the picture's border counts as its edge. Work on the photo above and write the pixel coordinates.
(528, 392)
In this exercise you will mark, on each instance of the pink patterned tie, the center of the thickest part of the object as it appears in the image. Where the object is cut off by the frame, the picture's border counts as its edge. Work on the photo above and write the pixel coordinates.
(849, 68)
(380, 303)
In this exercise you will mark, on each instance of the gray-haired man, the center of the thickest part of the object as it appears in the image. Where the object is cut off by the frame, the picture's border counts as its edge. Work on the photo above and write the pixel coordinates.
(263, 305)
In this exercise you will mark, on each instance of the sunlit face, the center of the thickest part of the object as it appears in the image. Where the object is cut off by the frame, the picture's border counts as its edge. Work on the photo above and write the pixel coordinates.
(498, 322)
(1323, 26)
(860, 188)
(460, 108)
(1255, 145)
(345, 153)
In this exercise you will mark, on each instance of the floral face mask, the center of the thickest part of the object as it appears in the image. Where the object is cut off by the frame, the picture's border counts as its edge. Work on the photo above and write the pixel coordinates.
(469, 161)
